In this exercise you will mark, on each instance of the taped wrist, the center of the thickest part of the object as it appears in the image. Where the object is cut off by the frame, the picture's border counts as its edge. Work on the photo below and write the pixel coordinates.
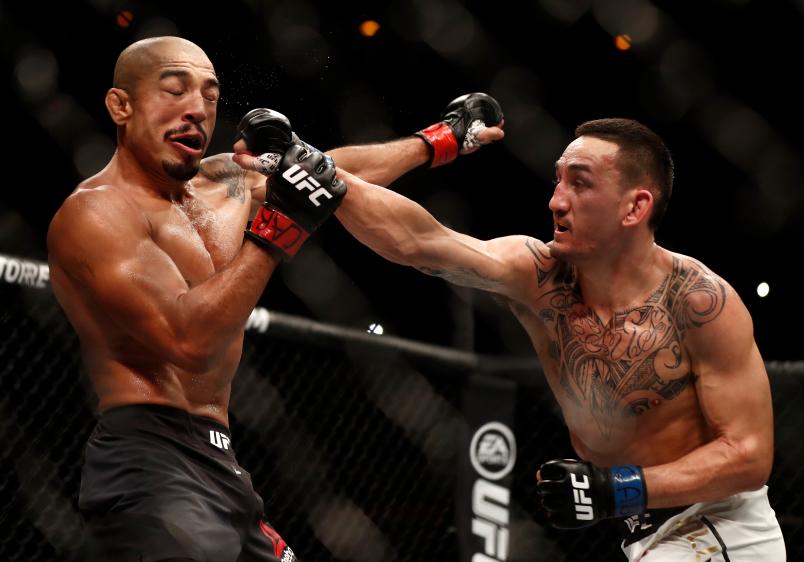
(273, 229)
(628, 487)
(441, 139)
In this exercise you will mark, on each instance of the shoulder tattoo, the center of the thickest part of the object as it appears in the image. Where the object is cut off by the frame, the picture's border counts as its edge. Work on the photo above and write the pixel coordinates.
(549, 268)
(694, 295)
(229, 174)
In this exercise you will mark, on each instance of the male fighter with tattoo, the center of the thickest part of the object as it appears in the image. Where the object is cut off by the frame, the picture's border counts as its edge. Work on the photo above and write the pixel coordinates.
(650, 355)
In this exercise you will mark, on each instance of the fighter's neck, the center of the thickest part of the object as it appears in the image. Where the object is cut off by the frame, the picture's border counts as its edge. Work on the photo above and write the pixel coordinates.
(622, 282)
(127, 170)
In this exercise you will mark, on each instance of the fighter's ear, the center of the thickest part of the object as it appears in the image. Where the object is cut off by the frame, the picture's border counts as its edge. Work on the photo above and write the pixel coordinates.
(640, 204)
(118, 103)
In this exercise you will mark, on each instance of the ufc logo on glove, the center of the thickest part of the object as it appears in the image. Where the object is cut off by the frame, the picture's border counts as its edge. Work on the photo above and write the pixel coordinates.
(583, 503)
(302, 180)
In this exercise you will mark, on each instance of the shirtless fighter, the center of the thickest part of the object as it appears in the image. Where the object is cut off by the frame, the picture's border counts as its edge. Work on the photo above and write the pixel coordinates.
(149, 262)
(650, 354)
(147, 259)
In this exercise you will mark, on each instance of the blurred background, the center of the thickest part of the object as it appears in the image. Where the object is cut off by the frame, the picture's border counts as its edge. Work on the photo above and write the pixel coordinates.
(356, 442)
(714, 78)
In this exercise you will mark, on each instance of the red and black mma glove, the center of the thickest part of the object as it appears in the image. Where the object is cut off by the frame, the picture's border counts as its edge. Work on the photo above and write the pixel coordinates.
(302, 194)
(457, 132)
(579, 494)
(302, 190)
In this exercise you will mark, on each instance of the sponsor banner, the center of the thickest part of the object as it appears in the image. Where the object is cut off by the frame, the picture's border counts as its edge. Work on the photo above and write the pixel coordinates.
(487, 459)
(25, 272)
(33, 273)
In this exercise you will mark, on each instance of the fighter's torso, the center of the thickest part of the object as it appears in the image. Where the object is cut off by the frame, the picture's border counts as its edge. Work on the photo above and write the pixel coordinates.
(626, 385)
(201, 234)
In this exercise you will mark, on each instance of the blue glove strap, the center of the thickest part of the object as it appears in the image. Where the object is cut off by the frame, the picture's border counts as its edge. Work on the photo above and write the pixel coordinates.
(630, 496)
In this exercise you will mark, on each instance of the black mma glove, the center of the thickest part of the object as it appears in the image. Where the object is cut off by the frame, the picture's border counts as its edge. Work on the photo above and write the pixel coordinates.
(463, 118)
(302, 190)
(578, 494)
(265, 132)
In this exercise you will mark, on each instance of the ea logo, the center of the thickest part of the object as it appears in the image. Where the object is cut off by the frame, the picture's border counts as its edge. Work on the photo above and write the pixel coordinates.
(493, 451)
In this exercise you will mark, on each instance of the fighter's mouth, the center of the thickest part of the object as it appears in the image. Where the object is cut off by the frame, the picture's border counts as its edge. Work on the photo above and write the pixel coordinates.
(561, 228)
(194, 142)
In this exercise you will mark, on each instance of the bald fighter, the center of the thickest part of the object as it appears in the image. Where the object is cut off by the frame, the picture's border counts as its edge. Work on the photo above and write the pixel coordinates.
(650, 355)
(148, 260)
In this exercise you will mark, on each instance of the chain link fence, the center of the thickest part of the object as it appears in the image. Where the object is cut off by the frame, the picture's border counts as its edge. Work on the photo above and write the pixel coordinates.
(351, 440)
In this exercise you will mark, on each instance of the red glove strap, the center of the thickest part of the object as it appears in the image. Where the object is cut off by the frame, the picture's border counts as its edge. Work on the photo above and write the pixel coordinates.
(278, 230)
(442, 139)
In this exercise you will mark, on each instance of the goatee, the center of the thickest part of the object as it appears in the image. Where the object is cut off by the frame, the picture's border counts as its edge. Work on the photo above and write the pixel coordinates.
(181, 171)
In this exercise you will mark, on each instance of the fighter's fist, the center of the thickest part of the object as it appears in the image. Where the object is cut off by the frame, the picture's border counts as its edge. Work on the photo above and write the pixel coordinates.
(468, 122)
(266, 133)
(578, 494)
(302, 193)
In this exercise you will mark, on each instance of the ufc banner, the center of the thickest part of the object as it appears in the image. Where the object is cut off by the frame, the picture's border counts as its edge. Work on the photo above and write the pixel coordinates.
(488, 454)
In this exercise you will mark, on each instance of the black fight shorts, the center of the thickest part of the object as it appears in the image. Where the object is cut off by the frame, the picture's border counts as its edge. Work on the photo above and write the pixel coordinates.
(161, 484)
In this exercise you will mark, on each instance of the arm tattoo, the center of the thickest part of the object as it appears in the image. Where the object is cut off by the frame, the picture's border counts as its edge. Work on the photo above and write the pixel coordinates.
(228, 173)
(464, 276)
(548, 268)
(635, 361)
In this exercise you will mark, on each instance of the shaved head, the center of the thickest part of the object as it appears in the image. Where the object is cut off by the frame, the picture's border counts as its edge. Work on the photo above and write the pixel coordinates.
(146, 54)
(164, 102)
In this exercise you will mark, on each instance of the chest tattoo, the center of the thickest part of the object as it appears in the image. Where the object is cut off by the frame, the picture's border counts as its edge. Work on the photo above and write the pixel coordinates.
(623, 367)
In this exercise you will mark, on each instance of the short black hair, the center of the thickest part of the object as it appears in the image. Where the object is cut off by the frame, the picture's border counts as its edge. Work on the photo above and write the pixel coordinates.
(642, 153)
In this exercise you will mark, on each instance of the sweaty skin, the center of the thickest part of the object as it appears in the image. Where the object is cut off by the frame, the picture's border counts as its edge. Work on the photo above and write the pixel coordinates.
(650, 355)
(147, 257)
(116, 300)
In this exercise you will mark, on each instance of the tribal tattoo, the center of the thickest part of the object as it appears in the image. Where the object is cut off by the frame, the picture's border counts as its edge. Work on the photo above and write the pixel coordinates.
(465, 276)
(623, 367)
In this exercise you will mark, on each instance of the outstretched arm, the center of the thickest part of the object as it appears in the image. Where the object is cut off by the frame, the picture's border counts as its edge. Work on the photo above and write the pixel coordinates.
(404, 232)
(468, 122)
(382, 163)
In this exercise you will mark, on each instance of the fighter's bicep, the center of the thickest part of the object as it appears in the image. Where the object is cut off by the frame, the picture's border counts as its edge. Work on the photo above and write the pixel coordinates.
(732, 383)
(117, 266)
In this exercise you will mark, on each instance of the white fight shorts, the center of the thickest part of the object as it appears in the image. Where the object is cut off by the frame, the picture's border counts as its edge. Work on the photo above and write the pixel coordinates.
(740, 528)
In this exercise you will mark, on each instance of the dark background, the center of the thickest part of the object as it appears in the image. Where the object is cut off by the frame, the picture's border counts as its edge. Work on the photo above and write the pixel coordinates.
(714, 78)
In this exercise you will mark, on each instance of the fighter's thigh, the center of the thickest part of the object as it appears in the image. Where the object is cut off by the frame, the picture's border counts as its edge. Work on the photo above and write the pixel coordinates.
(157, 536)
(263, 544)
(716, 539)
(695, 541)
(127, 537)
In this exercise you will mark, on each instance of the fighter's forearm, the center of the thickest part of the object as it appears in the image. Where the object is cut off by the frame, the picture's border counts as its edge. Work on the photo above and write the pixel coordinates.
(381, 164)
(402, 231)
(210, 315)
(716, 470)
(390, 224)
